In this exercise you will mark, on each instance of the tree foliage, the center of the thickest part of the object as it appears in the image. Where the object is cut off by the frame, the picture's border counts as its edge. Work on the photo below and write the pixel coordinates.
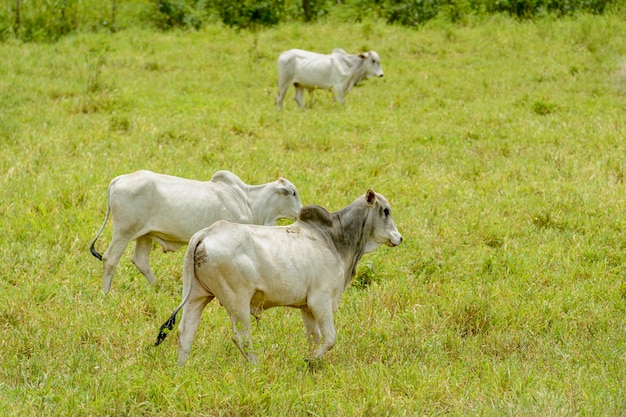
(47, 20)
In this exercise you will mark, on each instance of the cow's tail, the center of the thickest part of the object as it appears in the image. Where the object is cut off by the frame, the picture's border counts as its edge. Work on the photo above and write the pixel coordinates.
(92, 247)
(189, 273)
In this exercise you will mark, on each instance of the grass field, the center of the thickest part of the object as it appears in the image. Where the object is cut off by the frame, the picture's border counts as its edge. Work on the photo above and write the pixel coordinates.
(500, 145)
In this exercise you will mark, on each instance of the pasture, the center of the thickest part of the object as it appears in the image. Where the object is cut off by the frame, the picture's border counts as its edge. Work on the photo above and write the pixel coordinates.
(500, 146)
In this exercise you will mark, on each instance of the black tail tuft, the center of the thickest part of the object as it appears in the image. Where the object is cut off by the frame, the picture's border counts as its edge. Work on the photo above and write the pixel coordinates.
(94, 252)
(166, 328)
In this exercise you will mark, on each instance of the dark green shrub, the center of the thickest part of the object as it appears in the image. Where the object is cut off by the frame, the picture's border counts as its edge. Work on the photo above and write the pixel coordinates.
(411, 12)
(46, 20)
(568, 7)
(455, 10)
(312, 9)
(7, 24)
(178, 13)
(250, 13)
(530, 8)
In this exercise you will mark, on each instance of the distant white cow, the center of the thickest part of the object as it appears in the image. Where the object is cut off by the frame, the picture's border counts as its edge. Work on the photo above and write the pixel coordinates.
(146, 206)
(309, 70)
(306, 265)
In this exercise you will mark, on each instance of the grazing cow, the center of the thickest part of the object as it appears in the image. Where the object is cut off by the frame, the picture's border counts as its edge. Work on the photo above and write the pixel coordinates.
(306, 265)
(309, 70)
(145, 206)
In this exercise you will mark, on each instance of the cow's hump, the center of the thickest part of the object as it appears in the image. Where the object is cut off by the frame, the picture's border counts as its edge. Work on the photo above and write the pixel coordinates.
(316, 215)
(226, 177)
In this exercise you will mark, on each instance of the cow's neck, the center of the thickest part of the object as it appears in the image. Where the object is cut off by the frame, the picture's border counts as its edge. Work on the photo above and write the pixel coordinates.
(261, 213)
(357, 66)
(352, 236)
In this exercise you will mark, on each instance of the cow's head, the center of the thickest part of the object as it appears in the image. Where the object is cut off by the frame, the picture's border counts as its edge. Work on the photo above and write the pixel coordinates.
(384, 231)
(372, 64)
(288, 201)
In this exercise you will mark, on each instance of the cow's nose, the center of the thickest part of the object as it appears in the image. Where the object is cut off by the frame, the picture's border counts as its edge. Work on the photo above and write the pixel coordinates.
(381, 76)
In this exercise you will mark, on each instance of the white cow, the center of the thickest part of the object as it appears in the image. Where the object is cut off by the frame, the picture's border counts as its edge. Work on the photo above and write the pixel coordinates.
(309, 70)
(306, 265)
(145, 206)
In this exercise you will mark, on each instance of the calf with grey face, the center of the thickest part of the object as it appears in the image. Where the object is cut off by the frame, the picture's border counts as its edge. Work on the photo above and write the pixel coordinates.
(145, 206)
(338, 71)
(307, 265)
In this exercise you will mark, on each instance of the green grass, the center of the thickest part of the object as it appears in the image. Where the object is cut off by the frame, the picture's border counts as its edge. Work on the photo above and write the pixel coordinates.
(500, 145)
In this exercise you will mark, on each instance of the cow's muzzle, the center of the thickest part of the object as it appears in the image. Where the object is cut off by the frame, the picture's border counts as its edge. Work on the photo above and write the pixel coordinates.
(394, 241)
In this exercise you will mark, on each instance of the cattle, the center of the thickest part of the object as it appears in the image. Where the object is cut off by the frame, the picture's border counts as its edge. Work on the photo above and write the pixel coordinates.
(338, 71)
(145, 206)
(306, 265)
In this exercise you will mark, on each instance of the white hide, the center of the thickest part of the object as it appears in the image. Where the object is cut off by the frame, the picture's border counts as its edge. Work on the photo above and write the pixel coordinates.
(146, 206)
(306, 265)
(338, 71)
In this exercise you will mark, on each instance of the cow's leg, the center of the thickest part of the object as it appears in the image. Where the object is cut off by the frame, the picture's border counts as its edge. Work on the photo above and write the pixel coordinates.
(240, 319)
(282, 90)
(192, 312)
(141, 258)
(110, 259)
(338, 90)
(312, 330)
(299, 94)
(323, 313)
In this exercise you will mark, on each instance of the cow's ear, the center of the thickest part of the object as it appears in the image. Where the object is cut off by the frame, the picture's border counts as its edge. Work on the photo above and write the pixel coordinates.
(363, 55)
(370, 196)
(283, 191)
(282, 187)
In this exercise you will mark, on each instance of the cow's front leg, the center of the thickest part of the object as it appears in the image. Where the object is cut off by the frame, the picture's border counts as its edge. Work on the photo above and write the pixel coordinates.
(312, 330)
(141, 257)
(338, 90)
(323, 313)
(240, 319)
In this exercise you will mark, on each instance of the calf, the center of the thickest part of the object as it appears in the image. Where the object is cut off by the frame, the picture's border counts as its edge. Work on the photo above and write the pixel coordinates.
(309, 70)
(145, 206)
(307, 265)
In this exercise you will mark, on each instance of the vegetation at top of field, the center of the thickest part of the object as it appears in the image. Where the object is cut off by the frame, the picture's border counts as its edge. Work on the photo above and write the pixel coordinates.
(499, 144)
(45, 20)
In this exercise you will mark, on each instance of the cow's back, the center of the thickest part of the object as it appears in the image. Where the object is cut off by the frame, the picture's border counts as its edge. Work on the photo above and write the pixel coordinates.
(308, 69)
(173, 208)
(281, 263)
(293, 54)
(149, 193)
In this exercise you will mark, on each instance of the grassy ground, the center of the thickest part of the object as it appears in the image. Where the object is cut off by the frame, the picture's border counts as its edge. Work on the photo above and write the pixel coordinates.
(499, 144)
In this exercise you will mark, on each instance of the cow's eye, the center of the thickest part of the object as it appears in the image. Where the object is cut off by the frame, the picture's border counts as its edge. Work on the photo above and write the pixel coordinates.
(386, 212)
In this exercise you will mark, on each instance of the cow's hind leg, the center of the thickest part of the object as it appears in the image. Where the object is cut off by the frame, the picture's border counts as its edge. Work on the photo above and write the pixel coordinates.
(141, 258)
(110, 259)
(282, 90)
(192, 312)
(240, 319)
